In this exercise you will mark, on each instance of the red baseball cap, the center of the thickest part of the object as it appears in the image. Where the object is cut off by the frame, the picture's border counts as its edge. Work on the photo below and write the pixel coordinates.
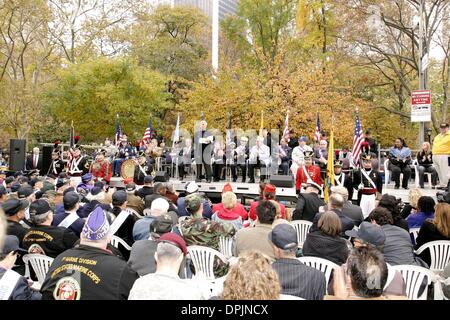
(174, 239)
(270, 188)
(227, 188)
(128, 180)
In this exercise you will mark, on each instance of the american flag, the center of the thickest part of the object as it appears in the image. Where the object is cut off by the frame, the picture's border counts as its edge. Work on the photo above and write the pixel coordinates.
(228, 137)
(118, 135)
(148, 134)
(358, 139)
(317, 134)
(286, 128)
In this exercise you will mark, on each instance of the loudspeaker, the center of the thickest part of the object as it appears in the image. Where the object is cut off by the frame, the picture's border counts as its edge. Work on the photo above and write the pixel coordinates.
(17, 154)
(161, 176)
(282, 181)
(46, 158)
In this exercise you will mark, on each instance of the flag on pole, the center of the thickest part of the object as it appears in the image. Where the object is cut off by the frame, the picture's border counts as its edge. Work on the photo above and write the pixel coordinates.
(358, 139)
(229, 130)
(317, 134)
(118, 135)
(329, 182)
(72, 137)
(148, 134)
(286, 128)
(261, 127)
(176, 134)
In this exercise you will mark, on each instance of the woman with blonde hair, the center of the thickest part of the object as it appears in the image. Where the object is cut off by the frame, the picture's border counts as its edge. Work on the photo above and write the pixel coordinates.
(252, 278)
(411, 207)
(434, 229)
(228, 212)
(425, 162)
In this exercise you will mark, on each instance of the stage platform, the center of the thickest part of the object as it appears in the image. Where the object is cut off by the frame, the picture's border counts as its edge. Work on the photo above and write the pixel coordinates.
(251, 190)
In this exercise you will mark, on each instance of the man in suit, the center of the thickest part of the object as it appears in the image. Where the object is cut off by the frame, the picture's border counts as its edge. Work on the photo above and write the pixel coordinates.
(308, 203)
(259, 158)
(349, 209)
(34, 161)
(203, 150)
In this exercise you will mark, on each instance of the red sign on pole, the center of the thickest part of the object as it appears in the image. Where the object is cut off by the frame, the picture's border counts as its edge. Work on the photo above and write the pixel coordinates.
(421, 106)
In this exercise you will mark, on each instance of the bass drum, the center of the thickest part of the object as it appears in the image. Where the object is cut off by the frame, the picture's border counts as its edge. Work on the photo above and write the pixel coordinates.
(127, 169)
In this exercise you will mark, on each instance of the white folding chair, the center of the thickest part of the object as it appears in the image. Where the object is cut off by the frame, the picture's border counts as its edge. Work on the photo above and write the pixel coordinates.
(39, 263)
(203, 260)
(414, 232)
(302, 229)
(226, 246)
(414, 276)
(439, 253)
(324, 265)
(115, 241)
(211, 288)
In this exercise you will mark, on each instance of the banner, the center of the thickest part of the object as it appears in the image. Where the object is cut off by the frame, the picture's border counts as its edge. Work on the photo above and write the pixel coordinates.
(421, 106)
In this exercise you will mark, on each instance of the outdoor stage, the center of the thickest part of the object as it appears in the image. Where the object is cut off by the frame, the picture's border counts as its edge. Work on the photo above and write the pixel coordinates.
(246, 191)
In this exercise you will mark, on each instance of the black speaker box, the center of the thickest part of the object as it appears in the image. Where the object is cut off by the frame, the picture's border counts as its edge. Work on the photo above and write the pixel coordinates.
(161, 176)
(46, 158)
(282, 181)
(17, 154)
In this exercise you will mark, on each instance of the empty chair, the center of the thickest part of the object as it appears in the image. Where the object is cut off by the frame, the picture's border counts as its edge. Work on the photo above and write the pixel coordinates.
(439, 253)
(226, 246)
(320, 264)
(203, 260)
(115, 241)
(40, 264)
(302, 229)
(414, 276)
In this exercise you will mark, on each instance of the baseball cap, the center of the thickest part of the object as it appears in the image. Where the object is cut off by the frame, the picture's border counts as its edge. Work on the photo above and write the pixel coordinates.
(25, 191)
(15, 187)
(119, 197)
(87, 177)
(11, 244)
(192, 187)
(12, 206)
(303, 138)
(284, 236)
(314, 185)
(160, 204)
(3, 190)
(227, 187)
(96, 190)
(131, 186)
(161, 224)
(270, 188)
(39, 207)
(71, 198)
(368, 232)
(47, 186)
(96, 226)
(193, 202)
(175, 240)
(148, 179)
(444, 125)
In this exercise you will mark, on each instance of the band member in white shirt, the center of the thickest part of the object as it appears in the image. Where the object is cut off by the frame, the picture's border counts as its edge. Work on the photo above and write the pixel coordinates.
(298, 159)
(259, 158)
(185, 157)
(240, 156)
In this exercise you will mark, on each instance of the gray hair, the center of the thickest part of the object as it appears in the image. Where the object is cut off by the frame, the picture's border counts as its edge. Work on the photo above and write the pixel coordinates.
(340, 190)
(167, 252)
(336, 201)
(39, 219)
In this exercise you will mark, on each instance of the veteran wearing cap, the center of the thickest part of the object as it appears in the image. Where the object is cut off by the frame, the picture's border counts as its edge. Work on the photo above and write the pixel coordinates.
(70, 218)
(298, 153)
(13, 286)
(89, 271)
(165, 284)
(15, 213)
(42, 237)
(307, 173)
(296, 278)
(441, 154)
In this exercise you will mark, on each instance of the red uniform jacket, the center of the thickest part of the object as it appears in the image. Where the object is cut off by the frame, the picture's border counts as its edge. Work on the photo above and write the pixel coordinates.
(103, 170)
(314, 173)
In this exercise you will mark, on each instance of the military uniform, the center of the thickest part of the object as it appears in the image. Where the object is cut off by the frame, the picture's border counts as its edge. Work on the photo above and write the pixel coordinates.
(101, 170)
(48, 240)
(185, 159)
(77, 166)
(367, 189)
(312, 173)
(142, 170)
(88, 273)
(56, 167)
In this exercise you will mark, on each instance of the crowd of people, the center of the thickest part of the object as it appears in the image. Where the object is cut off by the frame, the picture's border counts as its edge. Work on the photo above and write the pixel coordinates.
(72, 214)
(75, 225)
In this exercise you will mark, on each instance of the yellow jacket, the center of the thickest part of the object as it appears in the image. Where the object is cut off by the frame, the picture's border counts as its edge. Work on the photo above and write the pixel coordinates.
(441, 144)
